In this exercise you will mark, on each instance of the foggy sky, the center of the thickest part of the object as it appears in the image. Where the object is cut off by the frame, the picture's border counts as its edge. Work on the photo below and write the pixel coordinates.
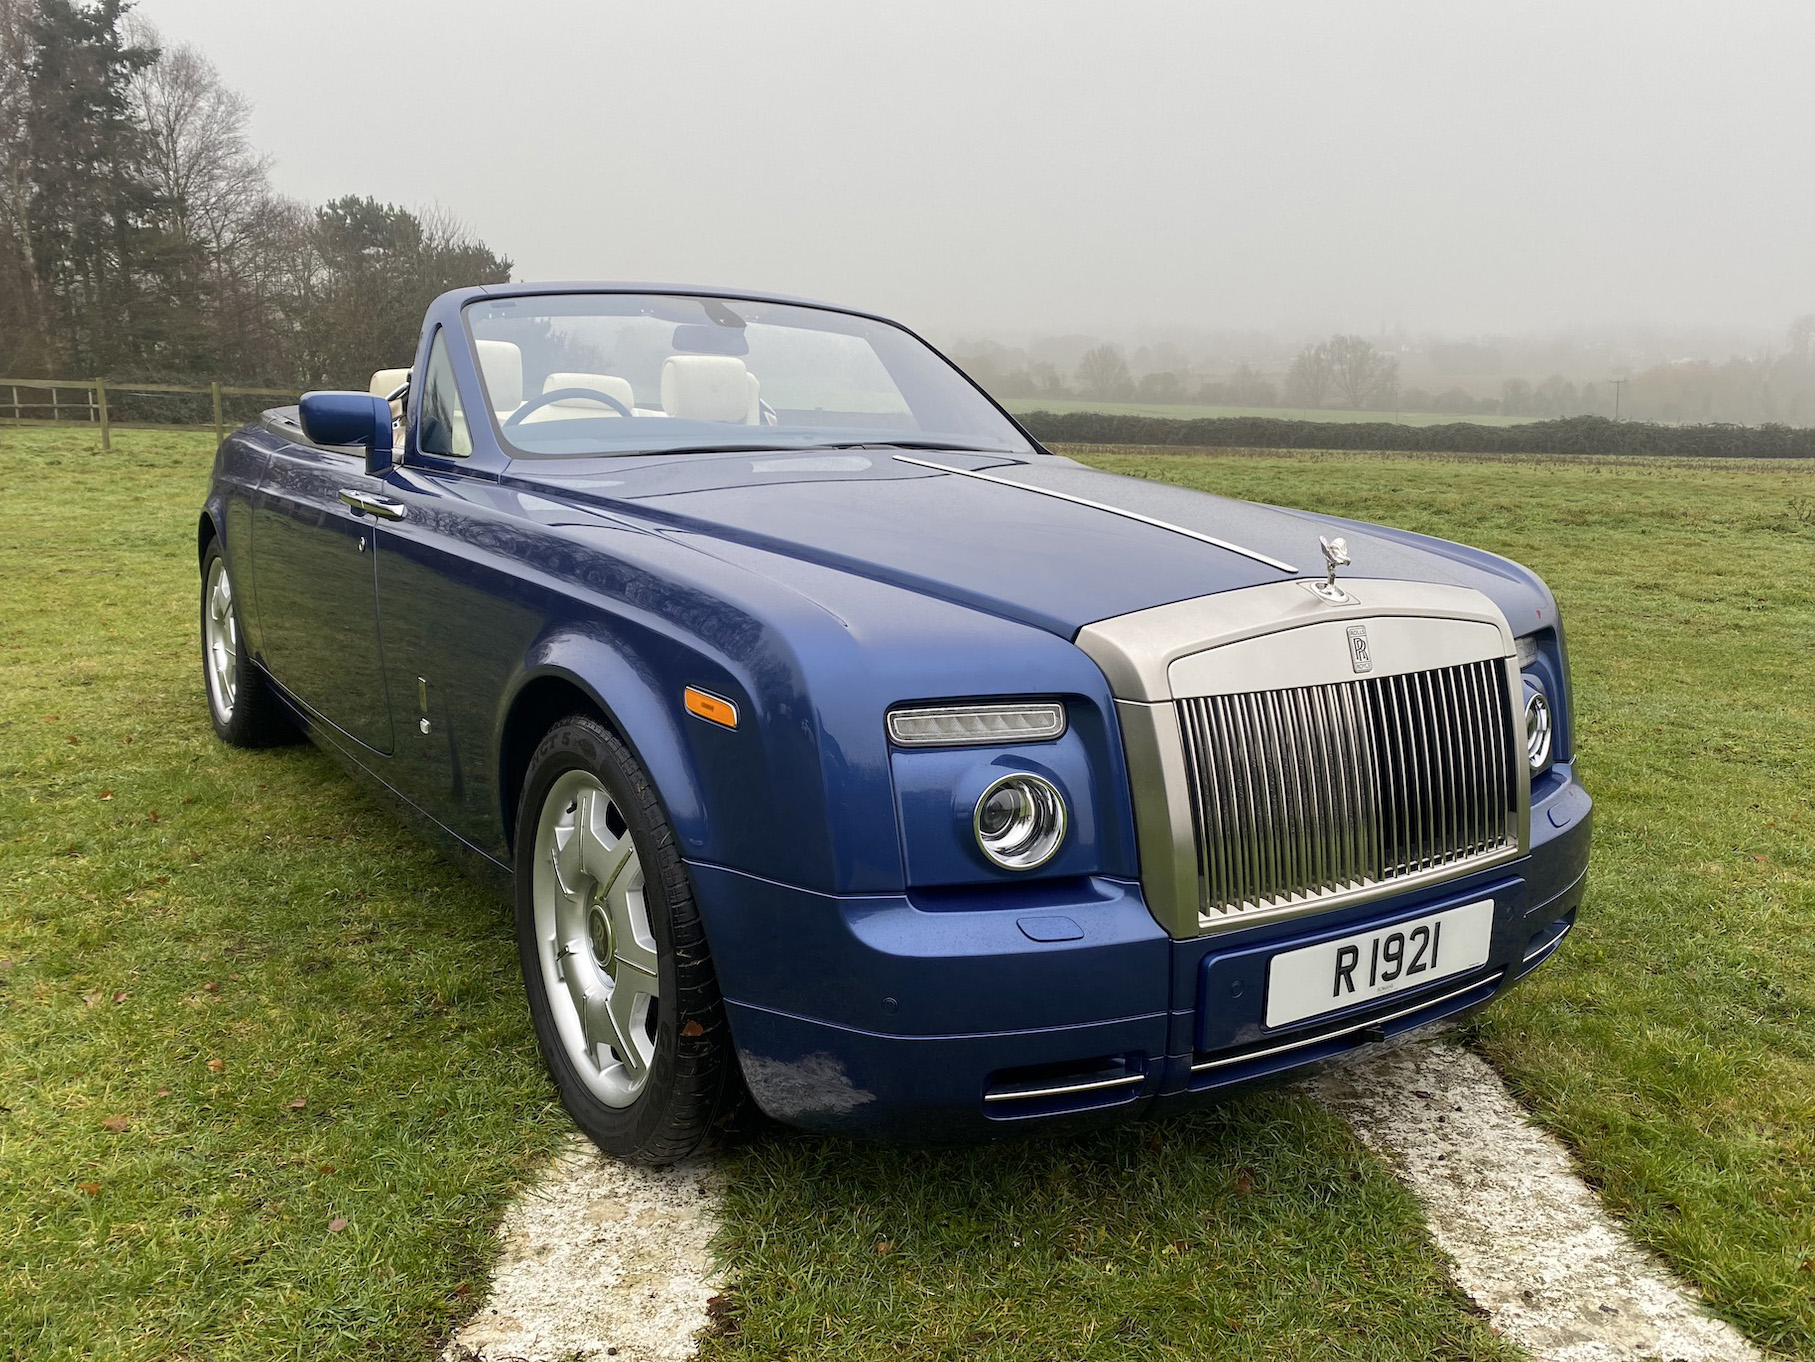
(1012, 167)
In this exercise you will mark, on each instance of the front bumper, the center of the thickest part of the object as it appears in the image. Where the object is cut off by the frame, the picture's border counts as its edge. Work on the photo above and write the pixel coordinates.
(965, 1014)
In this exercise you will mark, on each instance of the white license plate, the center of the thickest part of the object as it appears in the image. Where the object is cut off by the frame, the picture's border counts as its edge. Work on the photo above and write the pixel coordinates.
(1368, 965)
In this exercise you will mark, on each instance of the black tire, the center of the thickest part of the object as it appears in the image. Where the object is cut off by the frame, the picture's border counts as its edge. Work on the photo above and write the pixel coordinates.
(693, 1087)
(244, 712)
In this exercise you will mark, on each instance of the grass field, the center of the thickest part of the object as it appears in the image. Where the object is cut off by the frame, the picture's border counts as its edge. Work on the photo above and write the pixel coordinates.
(1672, 1042)
(1190, 412)
(239, 1006)
(262, 1054)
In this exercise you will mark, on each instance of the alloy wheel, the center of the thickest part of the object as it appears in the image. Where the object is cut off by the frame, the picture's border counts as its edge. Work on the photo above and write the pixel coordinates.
(593, 938)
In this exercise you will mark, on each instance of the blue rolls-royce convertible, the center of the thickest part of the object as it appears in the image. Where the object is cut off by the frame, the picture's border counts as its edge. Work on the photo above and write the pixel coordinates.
(848, 751)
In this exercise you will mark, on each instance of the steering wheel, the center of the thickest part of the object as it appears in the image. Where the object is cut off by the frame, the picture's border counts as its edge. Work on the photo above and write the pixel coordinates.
(564, 394)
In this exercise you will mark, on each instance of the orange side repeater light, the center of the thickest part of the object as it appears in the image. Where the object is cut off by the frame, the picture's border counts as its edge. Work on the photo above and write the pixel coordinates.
(710, 707)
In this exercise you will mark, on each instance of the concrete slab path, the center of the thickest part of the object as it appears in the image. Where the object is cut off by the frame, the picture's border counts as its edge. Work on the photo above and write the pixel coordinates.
(605, 1260)
(601, 1259)
(1531, 1242)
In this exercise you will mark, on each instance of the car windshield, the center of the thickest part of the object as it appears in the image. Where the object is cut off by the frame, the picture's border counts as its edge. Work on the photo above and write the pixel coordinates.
(576, 374)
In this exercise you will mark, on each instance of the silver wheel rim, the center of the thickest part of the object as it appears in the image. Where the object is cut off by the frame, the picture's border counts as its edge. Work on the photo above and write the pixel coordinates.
(593, 939)
(220, 640)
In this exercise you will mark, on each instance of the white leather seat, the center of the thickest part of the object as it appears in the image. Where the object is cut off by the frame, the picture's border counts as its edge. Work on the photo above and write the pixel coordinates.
(709, 388)
(387, 381)
(576, 408)
(502, 363)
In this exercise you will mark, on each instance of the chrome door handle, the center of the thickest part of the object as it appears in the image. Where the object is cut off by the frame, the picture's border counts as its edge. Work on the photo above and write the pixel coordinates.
(371, 505)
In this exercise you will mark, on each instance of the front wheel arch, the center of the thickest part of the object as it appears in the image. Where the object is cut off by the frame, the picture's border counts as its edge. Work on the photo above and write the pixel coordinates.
(539, 704)
(206, 532)
(637, 715)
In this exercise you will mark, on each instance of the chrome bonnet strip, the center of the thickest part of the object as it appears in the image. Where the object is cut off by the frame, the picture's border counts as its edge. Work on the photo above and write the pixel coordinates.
(1211, 539)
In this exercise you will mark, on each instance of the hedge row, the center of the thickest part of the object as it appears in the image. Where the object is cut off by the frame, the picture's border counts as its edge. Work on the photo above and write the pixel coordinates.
(1571, 435)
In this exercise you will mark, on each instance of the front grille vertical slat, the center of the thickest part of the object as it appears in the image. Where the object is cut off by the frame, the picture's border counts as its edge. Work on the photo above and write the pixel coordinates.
(1370, 827)
(1316, 791)
(1448, 712)
(1244, 842)
(1405, 856)
(1465, 743)
(1480, 731)
(1298, 815)
(1436, 845)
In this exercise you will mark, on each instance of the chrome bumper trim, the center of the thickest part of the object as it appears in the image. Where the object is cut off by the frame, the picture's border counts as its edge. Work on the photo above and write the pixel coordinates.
(1065, 1089)
(1371, 1022)
(1538, 953)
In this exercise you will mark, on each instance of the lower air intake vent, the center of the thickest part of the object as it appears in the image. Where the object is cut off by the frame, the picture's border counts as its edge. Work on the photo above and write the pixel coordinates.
(1052, 1089)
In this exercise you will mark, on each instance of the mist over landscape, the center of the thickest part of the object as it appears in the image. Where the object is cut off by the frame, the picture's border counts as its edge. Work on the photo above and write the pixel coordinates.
(1407, 207)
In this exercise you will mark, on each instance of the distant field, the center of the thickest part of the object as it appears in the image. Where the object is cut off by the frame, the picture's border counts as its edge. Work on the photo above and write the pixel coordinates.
(1192, 412)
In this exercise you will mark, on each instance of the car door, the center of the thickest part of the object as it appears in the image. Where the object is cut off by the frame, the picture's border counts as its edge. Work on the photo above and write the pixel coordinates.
(456, 619)
(314, 556)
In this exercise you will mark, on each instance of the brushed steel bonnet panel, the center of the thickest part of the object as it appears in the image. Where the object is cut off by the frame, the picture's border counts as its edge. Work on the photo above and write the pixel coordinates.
(1321, 654)
(1136, 651)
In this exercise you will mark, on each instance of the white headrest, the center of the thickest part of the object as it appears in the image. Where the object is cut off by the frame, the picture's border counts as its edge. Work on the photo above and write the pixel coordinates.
(578, 408)
(387, 381)
(503, 366)
(706, 388)
(609, 384)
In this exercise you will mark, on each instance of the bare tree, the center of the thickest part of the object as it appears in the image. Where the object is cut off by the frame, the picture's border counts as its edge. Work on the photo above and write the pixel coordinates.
(1248, 387)
(201, 160)
(1046, 378)
(1360, 373)
(1103, 373)
(1802, 337)
(213, 194)
(1309, 379)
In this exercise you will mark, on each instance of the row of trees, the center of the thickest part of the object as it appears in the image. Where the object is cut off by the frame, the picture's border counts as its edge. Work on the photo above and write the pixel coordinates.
(1104, 374)
(1344, 370)
(1348, 371)
(140, 236)
(1778, 387)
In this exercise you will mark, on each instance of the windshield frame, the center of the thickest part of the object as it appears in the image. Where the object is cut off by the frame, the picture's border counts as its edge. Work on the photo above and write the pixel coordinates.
(756, 442)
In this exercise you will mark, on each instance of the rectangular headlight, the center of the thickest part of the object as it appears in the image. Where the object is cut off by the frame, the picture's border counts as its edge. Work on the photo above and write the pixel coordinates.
(967, 725)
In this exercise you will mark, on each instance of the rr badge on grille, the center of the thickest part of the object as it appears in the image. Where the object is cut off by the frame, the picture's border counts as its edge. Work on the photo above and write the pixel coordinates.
(1359, 656)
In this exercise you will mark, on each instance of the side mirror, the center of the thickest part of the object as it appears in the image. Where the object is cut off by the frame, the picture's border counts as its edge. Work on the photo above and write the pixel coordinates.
(332, 418)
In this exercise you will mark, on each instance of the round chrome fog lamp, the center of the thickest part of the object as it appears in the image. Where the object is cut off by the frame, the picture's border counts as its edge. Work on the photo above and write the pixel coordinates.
(1537, 731)
(1020, 821)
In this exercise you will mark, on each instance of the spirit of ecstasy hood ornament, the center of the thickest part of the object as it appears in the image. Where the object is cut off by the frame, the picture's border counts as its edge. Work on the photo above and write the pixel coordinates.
(1335, 555)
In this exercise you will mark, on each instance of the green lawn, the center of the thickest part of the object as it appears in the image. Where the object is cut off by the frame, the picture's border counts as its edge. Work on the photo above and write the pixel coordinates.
(238, 1004)
(1186, 411)
(1672, 1041)
(255, 909)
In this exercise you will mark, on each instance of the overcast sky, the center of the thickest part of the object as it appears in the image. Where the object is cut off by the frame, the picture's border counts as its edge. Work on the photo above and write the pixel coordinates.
(1012, 167)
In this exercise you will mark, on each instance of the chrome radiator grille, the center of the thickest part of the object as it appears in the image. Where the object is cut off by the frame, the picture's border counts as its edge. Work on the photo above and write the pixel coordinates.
(1317, 791)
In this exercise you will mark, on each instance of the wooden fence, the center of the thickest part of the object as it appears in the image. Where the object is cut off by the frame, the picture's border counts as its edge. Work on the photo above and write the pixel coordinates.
(93, 402)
